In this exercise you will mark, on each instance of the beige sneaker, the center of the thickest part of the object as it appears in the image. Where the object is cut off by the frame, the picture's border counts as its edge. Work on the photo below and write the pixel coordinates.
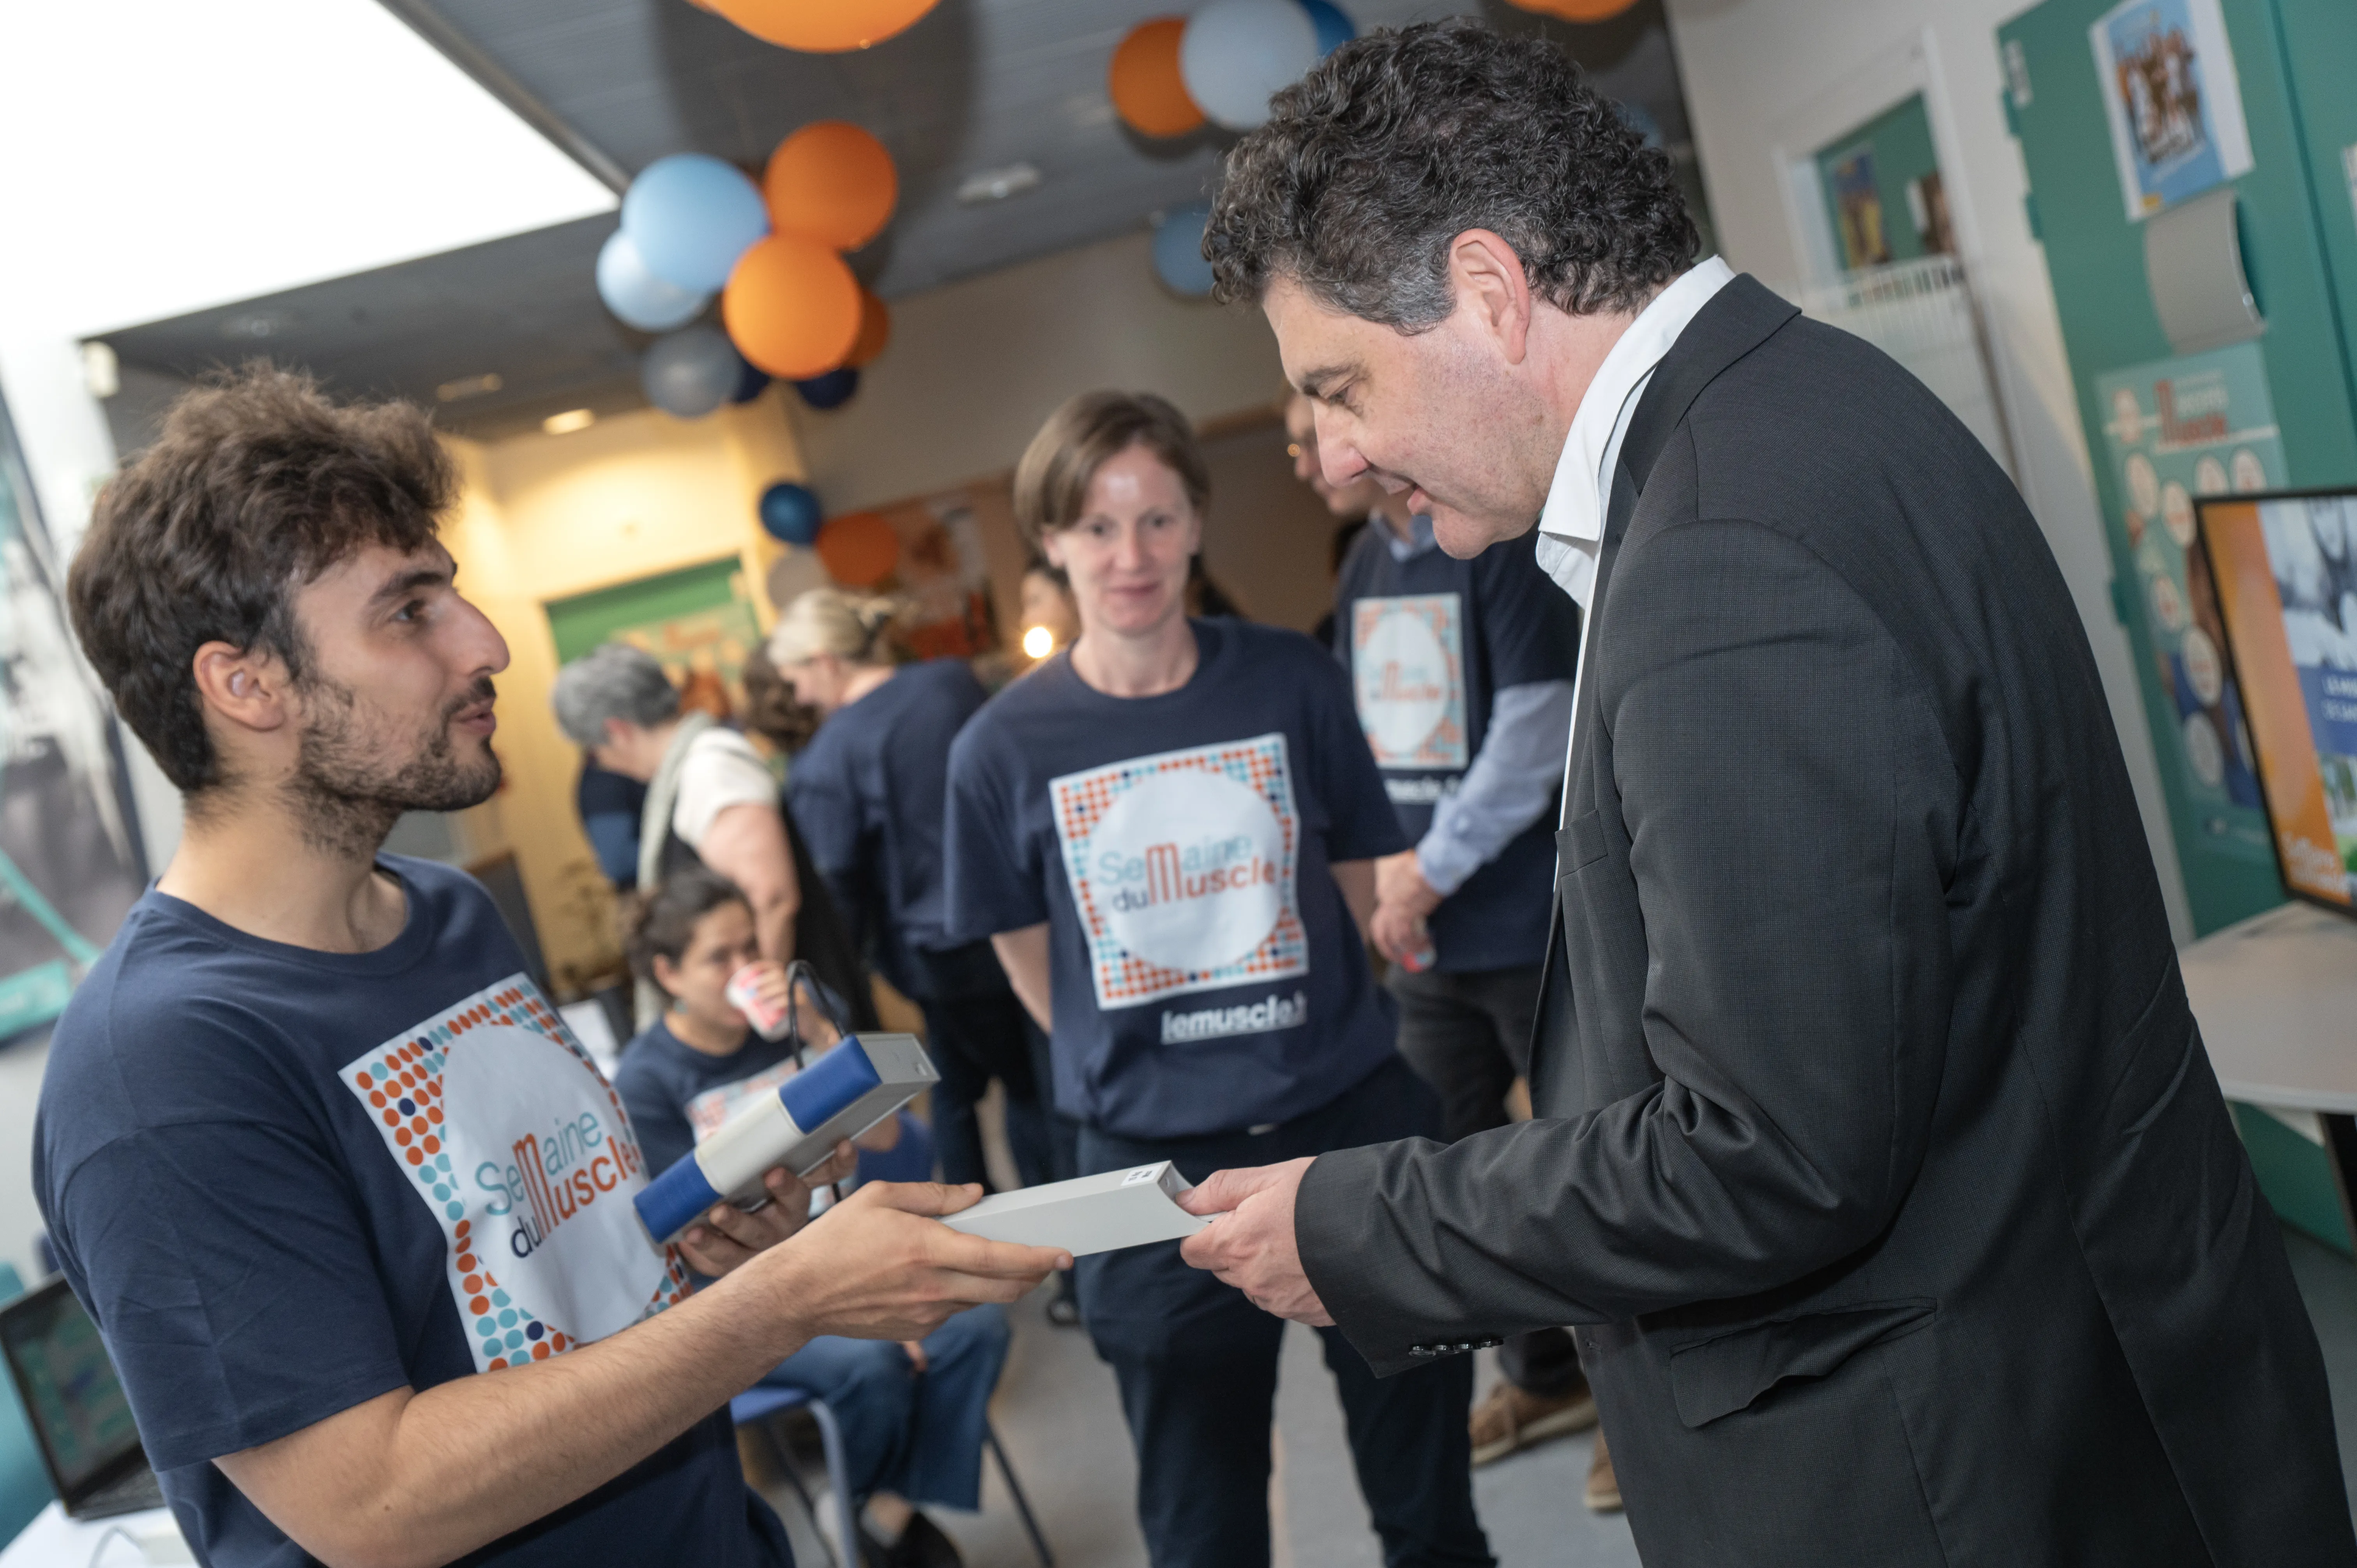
(1509, 1419)
(1603, 1495)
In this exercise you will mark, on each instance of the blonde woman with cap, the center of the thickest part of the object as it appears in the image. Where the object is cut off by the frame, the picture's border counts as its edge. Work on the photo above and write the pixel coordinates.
(867, 793)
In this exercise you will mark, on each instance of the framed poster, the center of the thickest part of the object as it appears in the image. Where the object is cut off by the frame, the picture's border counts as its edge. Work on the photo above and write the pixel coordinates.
(699, 622)
(70, 863)
(2174, 103)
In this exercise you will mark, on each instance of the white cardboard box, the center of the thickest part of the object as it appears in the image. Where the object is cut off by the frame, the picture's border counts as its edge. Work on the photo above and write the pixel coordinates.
(1089, 1214)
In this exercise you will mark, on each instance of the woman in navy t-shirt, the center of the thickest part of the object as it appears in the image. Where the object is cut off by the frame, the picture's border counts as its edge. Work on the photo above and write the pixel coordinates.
(913, 1416)
(867, 793)
(1168, 831)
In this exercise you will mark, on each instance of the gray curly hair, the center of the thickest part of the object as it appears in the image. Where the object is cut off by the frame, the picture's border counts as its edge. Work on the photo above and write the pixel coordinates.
(1400, 141)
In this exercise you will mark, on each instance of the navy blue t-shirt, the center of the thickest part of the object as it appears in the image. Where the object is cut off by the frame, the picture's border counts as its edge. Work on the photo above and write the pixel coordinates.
(1207, 975)
(1429, 641)
(286, 1182)
(868, 794)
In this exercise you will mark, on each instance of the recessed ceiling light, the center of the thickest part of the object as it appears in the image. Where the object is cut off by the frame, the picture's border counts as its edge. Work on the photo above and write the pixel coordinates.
(998, 184)
(571, 420)
(469, 386)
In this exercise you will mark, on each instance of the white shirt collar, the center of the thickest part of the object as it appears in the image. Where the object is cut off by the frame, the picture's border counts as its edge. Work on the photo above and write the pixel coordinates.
(1571, 527)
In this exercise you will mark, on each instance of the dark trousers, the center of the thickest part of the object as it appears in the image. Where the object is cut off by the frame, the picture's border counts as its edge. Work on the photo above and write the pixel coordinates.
(971, 1040)
(1196, 1363)
(1467, 1033)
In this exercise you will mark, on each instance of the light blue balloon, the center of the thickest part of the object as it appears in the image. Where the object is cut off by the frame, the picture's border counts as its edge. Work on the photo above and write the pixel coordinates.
(691, 216)
(691, 372)
(1334, 27)
(1178, 252)
(638, 297)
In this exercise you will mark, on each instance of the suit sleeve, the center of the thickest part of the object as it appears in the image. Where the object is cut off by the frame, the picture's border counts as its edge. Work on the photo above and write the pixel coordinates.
(1792, 816)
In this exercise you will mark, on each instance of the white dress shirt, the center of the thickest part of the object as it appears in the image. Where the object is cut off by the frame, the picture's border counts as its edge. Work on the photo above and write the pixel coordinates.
(1571, 528)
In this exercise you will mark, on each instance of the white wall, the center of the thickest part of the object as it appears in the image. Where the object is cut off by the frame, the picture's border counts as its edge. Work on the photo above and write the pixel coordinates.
(975, 367)
(1771, 81)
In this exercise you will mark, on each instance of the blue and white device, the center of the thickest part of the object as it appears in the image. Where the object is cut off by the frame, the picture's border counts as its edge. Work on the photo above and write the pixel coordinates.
(839, 1096)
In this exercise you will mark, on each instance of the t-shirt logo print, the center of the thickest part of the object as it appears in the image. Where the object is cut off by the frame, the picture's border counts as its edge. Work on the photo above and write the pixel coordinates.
(1182, 867)
(522, 1152)
(1407, 667)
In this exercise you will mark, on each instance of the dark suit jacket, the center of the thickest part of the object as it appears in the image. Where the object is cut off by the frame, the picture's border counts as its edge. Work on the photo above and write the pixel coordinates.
(1876, 1152)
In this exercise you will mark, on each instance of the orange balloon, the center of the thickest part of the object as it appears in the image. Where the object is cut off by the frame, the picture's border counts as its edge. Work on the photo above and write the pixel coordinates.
(858, 549)
(1577, 10)
(823, 27)
(875, 330)
(833, 182)
(1148, 93)
(791, 307)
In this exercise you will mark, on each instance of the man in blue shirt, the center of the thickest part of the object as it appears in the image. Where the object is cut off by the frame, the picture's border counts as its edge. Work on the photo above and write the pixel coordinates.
(349, 1204)
(1461, 672)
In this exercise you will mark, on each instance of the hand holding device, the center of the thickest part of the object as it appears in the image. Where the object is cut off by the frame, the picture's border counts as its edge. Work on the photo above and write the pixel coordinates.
(876, 1266)
(839, 1096)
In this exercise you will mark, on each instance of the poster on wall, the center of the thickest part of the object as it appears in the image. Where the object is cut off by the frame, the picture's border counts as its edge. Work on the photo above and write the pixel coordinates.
(2174, 103)
(70, 862)
(2287, 570)
(2177, 430)
(699, 623)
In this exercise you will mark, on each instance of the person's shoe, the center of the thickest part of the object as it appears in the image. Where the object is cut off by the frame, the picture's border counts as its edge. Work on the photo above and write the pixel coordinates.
(1603, 1494)
(1509, 1419)
(922, 1545)
(1064, 1306)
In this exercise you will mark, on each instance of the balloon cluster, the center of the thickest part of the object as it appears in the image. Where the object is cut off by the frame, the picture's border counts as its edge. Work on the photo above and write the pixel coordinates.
(694, 226)
(1223, 64)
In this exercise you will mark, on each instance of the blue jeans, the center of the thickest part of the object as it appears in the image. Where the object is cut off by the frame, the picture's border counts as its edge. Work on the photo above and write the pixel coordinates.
(917, 1435)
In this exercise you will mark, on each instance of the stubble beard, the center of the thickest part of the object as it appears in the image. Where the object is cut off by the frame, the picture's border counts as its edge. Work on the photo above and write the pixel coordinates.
(345, 800)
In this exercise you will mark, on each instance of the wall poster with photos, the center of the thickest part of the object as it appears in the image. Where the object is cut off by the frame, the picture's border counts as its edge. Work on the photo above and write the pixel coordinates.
(2173, 101)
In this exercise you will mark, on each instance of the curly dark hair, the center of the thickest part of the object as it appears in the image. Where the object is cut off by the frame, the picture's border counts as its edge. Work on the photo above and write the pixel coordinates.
(258, 484)
(1402, 140)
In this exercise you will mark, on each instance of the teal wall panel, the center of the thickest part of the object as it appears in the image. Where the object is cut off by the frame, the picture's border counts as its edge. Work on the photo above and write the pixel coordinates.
(2095, 258)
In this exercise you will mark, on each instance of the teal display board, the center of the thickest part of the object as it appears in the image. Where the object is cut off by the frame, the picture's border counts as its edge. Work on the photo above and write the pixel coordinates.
(2057, 99)
(2199, 426)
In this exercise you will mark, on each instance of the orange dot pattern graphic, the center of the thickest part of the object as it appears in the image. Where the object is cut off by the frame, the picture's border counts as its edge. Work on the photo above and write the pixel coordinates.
(401, 1083)
(1444, 747)
(1123, 979)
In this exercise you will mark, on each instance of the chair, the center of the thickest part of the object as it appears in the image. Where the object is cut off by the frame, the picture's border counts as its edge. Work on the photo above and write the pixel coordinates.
(758, 1407)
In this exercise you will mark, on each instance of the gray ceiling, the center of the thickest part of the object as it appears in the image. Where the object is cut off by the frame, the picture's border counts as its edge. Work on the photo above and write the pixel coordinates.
(975, 85)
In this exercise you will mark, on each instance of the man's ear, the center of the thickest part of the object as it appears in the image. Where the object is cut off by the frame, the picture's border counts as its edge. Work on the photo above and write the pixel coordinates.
(242, 686)
(1487, 277)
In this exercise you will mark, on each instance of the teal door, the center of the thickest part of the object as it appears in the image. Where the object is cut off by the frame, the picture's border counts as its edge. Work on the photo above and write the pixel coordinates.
(2277, 410)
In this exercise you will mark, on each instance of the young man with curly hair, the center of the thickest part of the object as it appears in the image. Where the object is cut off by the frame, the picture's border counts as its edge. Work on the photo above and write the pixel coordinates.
(350, 1207)
(1877, 1160)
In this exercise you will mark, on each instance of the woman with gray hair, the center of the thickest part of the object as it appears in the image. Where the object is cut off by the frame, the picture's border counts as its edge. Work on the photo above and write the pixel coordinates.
(710, 801)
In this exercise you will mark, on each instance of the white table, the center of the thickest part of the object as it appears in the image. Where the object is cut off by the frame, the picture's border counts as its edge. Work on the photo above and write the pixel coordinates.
(53, 1541)
(2277, 999)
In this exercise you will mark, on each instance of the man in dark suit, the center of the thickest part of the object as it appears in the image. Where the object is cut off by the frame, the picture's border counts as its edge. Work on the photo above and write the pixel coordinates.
(1877, 1162)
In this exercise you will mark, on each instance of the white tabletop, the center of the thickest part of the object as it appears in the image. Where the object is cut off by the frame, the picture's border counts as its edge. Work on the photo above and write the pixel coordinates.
(2277, 999)
(53, 1541)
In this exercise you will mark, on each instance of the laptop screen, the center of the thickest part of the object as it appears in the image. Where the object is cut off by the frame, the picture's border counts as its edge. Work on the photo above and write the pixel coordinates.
(77, 1404)
(2286, 573)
